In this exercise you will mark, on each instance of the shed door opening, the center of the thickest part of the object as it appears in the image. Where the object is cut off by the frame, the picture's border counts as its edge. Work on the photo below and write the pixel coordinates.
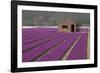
(72, 28)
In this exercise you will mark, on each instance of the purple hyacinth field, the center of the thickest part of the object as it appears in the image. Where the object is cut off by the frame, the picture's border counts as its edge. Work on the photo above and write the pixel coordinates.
(48, 44)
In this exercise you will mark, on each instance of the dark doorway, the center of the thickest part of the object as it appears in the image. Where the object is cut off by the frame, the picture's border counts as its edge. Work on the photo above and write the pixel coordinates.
(72, 28)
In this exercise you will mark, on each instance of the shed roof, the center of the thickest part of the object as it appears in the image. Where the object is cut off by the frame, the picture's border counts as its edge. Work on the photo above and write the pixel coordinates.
(68, 22)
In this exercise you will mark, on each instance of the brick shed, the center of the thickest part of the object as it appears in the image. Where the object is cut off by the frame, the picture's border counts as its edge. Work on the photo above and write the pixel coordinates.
(67, 26)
